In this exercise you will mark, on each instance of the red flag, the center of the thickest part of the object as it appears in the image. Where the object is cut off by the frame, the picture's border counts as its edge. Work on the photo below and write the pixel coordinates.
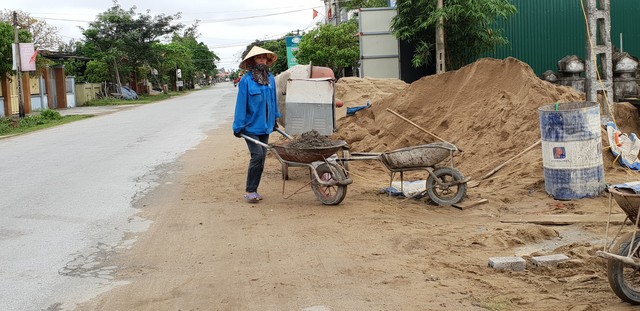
(315, 13)
(33, 58)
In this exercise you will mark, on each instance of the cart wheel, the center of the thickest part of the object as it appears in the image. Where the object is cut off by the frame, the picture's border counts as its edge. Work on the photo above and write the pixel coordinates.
(625, 279)
(285, 171)
(329, 195)
(446, 195)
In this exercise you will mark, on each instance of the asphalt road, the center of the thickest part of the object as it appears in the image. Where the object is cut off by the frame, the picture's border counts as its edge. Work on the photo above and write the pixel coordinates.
(66, 193)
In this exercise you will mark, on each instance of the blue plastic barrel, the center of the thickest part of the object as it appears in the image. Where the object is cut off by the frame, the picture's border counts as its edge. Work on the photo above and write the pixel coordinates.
(572, 150)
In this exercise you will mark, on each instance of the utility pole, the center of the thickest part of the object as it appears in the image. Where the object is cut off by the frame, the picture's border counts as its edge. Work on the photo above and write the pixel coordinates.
(18, 66)
(440, 60)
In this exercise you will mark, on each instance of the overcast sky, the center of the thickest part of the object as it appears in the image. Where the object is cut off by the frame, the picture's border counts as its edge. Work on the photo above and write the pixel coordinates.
(226, 26)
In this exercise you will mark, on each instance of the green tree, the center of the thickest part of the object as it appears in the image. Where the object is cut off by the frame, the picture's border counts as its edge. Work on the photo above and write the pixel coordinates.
(469, 27)
(125, 38)
(357, 4)
(204, 60)
(44, 35)
(168, 58)
(96, 71)
(7, 38)
(74, 66)
(200, 61)
(336, 47)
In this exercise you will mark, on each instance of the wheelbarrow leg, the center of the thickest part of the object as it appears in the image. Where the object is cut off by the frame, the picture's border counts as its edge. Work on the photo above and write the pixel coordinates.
(285, 171)
(391, 177)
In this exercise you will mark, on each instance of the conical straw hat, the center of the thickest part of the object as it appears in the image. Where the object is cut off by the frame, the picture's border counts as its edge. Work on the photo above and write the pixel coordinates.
(256, 50)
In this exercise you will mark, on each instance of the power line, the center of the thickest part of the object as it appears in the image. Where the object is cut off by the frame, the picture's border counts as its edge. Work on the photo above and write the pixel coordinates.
(188, 21)
(200, 12)
(252, 17)
(202, 21)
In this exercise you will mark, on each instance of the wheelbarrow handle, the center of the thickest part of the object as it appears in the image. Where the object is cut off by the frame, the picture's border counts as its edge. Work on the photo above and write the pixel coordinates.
(263, 144)
(255, 141)
(284, 133)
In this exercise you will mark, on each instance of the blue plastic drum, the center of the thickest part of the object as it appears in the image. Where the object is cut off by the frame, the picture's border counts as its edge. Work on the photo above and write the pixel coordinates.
(572, 150)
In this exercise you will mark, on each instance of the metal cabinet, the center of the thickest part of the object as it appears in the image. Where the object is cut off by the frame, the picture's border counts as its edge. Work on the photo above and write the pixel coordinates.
(310, 106)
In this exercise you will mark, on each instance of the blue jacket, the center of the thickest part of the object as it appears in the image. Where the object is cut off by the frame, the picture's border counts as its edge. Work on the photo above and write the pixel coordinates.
(256, 106)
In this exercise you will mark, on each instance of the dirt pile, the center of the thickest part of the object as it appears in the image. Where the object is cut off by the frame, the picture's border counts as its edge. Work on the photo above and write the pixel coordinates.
(357, 91)
(488, 109)
(311, 139)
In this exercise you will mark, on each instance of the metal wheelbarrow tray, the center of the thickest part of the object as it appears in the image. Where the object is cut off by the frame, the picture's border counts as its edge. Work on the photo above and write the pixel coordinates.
(628, 201)
(307, 155)
(417, 157)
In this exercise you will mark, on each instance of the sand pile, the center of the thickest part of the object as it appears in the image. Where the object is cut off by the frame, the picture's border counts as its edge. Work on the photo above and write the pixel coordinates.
(488, 109)
(356, 91)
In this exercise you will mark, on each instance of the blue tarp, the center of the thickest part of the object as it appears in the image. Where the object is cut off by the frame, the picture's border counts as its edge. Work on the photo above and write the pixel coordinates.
(626, 148)
(352, 110)
(633, 185)
(410, 189)
(128, 93)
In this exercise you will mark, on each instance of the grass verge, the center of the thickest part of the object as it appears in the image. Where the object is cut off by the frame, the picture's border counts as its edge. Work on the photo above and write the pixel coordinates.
(142, 99)
(10, 126)
(47, 118)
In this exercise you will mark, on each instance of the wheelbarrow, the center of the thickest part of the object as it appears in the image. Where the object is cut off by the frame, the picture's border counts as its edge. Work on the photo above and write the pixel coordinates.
(445, 185)
(623, 258)
(328, 179)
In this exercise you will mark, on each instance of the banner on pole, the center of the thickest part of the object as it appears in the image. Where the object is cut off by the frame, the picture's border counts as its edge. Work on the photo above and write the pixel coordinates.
(27, 57)
(292, 49)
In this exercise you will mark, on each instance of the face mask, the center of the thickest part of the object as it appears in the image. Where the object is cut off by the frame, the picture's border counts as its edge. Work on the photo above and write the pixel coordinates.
(261, 74)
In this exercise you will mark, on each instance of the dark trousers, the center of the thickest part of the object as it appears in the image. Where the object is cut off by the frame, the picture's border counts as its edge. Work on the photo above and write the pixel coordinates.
(256, 164)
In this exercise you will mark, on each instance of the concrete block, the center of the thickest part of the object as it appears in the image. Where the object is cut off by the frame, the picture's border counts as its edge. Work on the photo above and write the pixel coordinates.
(508, 263)
(549, 260)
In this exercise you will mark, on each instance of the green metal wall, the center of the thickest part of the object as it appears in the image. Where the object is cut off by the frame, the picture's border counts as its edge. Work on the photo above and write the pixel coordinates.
(545, 31)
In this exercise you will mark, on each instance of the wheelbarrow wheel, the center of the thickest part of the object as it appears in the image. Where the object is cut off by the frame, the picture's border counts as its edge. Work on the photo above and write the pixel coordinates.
(453, 190)
(625, 279)
(329, 195)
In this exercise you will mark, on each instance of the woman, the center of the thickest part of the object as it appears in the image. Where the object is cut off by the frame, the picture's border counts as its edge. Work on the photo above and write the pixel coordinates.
(256, 112)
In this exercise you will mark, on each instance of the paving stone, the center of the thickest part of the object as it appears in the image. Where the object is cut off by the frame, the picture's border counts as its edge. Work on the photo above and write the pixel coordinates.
(549, 260)
(508, 263)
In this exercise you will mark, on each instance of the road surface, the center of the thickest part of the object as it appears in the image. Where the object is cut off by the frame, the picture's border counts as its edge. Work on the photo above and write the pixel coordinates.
(67, 193)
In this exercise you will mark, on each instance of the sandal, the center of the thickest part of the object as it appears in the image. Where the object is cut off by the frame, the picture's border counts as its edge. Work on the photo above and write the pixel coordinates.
(252, 197)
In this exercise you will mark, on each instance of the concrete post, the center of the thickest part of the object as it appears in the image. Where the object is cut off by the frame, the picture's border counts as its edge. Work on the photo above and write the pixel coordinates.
(599, 51)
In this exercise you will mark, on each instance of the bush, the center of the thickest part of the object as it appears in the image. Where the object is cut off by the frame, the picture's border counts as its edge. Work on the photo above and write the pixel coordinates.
(50, 114)
(29, 121)
(5, 128)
